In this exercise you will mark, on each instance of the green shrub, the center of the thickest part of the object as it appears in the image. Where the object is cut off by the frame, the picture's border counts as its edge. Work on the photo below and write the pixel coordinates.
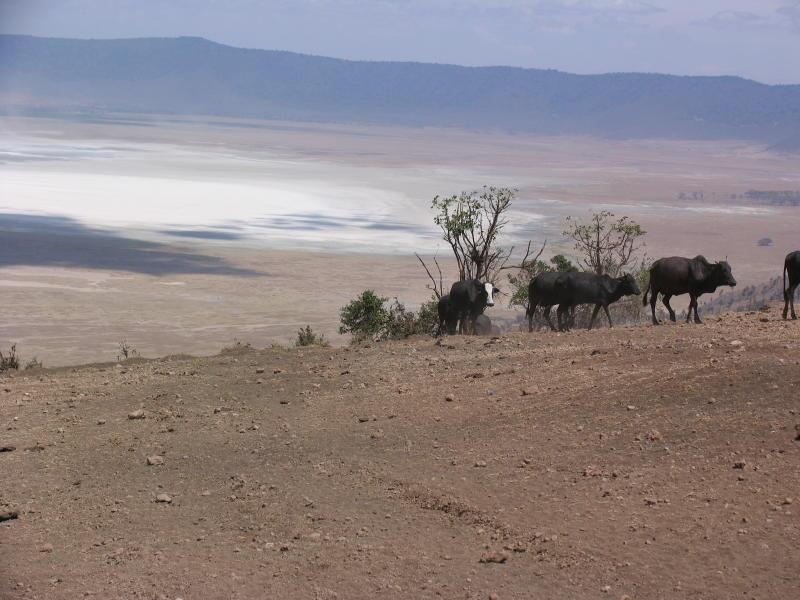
(365, 317)
(307, 337)
(371, 317)
(428, 318)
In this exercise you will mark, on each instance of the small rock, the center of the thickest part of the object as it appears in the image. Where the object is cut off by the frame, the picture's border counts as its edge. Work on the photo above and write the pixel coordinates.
(480, 463)
(363, 419)
(631, 407)
(653, 435)
(101, 421)
(494, 557)
(260, 370)
(164, 498)
(449, 398)
(737, 343)
(739, 465)
(46, 548)
(137, 414)
(155, 460)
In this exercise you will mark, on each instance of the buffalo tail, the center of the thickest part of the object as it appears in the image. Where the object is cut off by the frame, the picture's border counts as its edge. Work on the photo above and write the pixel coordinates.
(785, 267)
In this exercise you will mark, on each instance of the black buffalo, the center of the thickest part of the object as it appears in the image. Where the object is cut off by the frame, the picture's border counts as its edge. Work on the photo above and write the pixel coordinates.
(468, 299)
(791, 266)
(677, 275)
(590, 288)
(542, 292)
(448, 319)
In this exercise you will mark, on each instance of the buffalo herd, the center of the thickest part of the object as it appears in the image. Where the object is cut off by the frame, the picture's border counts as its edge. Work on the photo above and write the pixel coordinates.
(461, 311)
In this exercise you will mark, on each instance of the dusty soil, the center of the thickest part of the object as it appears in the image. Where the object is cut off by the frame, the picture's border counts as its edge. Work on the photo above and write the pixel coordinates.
(638, 462)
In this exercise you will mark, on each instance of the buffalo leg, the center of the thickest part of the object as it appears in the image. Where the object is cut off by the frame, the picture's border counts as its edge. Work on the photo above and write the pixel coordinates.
(786, 304)
(653, 298)
(693, 307)
(532, 311)
(563, 322)
(608, 315)
(594, 315)
(696, 316)
(547, 318)
(665, 300)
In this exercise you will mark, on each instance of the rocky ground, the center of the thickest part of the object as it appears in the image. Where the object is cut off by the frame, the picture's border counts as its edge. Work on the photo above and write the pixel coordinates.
(633, 463)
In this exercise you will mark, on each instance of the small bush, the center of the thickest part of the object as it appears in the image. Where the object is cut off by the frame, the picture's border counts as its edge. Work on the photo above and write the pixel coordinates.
(369, 317)
(365, 317)
(34, 363)
(126, 351)
(9, 361)
(428, 318)
(307, 337)
(238, 347)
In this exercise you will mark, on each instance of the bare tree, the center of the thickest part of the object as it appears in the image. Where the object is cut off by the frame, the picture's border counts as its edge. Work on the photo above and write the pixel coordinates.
(606, 246)
(436, 287)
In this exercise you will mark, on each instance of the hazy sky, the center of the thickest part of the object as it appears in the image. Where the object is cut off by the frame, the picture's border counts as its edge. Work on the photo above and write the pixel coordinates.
(759, 39)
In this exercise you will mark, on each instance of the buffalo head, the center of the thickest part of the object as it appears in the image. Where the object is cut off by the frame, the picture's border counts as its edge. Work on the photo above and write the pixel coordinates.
(627, 285)
(723, 274)
(487, 291)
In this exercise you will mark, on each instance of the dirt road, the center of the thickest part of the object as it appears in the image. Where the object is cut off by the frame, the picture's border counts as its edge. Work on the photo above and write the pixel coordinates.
(635, 463)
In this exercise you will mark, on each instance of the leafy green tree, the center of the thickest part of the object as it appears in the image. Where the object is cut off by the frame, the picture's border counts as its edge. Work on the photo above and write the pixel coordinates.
(562, 264)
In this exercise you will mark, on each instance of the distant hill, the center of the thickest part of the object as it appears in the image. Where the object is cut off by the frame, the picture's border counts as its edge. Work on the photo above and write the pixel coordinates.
(194, 76)
(751, 297)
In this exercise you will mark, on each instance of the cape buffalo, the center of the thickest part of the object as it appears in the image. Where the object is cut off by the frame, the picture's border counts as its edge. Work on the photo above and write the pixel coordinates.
(468, 299)
(591, 288)
(448, 319)
(791, 266)
(542, 292)
(677, 275)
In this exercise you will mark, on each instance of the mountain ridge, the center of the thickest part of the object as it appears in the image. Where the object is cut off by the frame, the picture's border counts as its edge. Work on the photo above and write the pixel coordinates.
(196, 76)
